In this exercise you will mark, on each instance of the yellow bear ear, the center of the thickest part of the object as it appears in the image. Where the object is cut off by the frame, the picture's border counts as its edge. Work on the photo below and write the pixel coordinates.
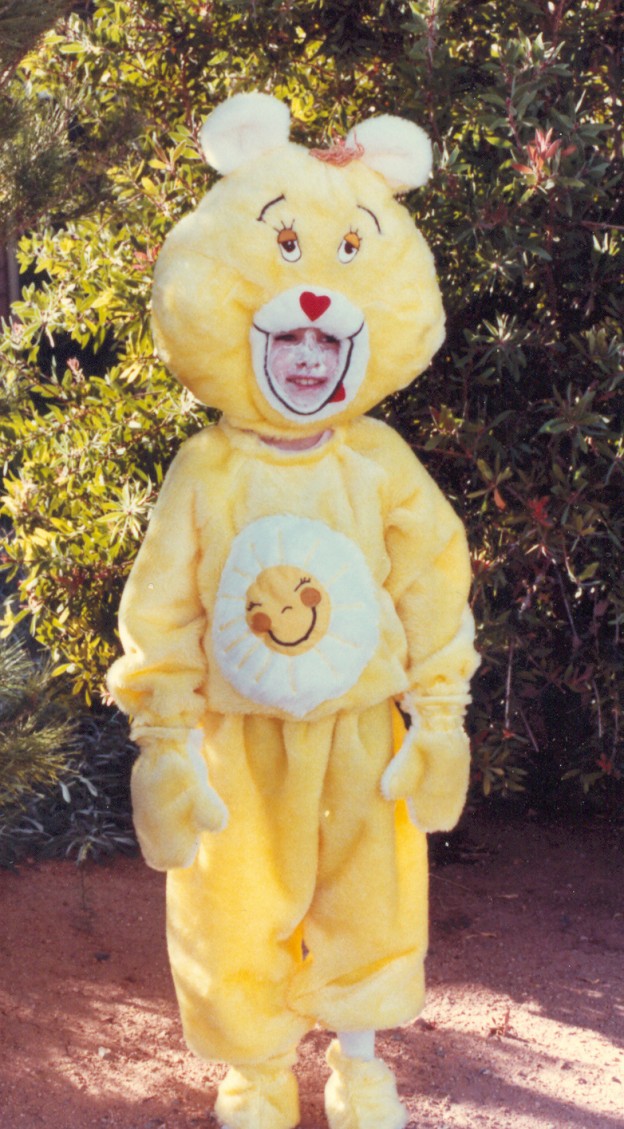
(396, 148)
(242, 128)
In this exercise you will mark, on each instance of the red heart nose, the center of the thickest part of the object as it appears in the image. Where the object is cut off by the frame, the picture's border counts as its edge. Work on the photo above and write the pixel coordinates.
(313, 305)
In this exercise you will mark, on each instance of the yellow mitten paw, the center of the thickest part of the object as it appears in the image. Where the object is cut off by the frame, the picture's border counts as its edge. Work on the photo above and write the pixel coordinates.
(431, 768)
(405, 770)
(438, 801)
(172, 801)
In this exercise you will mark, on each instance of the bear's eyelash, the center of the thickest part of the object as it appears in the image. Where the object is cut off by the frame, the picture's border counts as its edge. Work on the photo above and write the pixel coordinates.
(304, 580)
(358, 239)
(285, 226)
(253, 604)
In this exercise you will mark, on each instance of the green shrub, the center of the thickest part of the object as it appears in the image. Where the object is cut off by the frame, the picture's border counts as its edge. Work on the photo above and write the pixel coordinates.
(87, 813)
(520, 418)
(37, 738)
(64, 772)
(38, 745)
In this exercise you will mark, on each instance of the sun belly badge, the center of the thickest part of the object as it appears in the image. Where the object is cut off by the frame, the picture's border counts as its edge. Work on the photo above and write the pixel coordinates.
(297, 614)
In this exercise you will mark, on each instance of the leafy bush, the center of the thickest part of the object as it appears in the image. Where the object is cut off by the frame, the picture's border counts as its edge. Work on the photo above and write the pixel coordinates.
(87, 813)
(37, 739)
(520, 418)
(64, 773)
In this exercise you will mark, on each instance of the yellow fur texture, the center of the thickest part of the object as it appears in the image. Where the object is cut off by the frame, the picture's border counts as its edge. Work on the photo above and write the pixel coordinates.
(301, 573)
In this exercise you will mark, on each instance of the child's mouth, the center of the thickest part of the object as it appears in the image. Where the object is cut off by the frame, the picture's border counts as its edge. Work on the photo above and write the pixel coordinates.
(307, 381)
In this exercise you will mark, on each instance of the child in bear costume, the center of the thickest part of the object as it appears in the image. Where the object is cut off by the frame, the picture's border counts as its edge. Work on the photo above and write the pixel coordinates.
(300, 576)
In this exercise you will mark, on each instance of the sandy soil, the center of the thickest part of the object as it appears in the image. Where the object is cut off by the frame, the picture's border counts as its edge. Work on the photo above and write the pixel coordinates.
(523, 1029)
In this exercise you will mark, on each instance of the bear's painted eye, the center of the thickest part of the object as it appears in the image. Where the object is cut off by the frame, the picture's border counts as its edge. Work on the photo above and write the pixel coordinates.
(289, 245)
(349, 247)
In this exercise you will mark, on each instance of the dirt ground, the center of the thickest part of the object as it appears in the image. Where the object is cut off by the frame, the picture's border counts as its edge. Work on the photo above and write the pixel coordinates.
(523, 1029)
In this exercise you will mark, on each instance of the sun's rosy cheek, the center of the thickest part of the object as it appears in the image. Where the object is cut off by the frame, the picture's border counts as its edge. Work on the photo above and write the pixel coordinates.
(260, 622)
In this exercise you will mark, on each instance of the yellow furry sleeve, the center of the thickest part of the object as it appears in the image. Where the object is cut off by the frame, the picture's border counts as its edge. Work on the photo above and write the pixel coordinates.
(429, 582)
(159, 681)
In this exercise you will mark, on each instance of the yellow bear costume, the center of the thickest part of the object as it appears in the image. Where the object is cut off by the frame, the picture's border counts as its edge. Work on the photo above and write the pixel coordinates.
(301, 574)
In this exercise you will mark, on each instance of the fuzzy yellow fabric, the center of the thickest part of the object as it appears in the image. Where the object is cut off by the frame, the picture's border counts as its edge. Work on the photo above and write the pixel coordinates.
(172, 801)
(310, 906)
(272, 929)
(431, 767)
(220, 266)
(260, 1097)
(361, 1094)
(433, 778)
(366, 483)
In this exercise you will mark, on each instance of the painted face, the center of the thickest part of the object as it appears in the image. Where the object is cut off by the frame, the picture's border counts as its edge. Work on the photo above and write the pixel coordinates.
(288, 609)
(310, 351)
(304, 366)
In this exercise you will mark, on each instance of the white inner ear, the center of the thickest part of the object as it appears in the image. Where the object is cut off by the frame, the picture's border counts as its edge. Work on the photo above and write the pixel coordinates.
(244, 127)
(396, 148)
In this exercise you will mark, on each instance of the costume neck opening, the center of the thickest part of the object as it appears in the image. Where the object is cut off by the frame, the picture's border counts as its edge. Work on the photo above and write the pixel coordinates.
(301, 443)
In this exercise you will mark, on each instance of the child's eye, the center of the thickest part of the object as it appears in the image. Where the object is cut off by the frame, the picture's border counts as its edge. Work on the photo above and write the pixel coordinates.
(288, 244)
(349, 247)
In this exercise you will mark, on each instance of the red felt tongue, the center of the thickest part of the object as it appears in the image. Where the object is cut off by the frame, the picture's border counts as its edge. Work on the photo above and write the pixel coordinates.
(313, 305)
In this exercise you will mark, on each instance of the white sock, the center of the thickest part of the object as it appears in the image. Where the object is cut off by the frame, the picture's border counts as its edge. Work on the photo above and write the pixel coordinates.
(357, 1044)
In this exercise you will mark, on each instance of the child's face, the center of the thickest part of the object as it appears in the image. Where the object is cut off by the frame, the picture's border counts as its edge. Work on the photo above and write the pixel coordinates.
(304, 366)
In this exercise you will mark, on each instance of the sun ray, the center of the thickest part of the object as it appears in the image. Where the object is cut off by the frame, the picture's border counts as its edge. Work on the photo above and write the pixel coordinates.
(320, 652)
(356, 645)
(245, 575)
(309, 555)
(338, 575)
(263, 669)
(254, 551)
(236, 642)
(244, 659)
(292, 676)
(240, 618)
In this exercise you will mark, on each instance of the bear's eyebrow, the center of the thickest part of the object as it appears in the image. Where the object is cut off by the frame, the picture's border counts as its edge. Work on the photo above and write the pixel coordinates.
(270, 204)
(363, 209)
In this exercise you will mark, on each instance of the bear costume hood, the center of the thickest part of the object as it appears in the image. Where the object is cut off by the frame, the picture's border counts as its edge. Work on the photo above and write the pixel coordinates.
(295, 244)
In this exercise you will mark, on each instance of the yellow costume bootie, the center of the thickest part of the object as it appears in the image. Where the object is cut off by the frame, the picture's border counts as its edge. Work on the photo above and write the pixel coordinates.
(361, 1094)
(259, 1097)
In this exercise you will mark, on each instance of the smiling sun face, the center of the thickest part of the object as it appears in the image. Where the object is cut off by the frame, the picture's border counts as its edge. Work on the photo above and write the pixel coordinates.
(288, 609)
(296, 617)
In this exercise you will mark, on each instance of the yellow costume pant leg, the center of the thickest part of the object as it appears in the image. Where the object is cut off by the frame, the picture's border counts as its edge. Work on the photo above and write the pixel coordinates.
(313, 854)
(233, 917)
(366, 927)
